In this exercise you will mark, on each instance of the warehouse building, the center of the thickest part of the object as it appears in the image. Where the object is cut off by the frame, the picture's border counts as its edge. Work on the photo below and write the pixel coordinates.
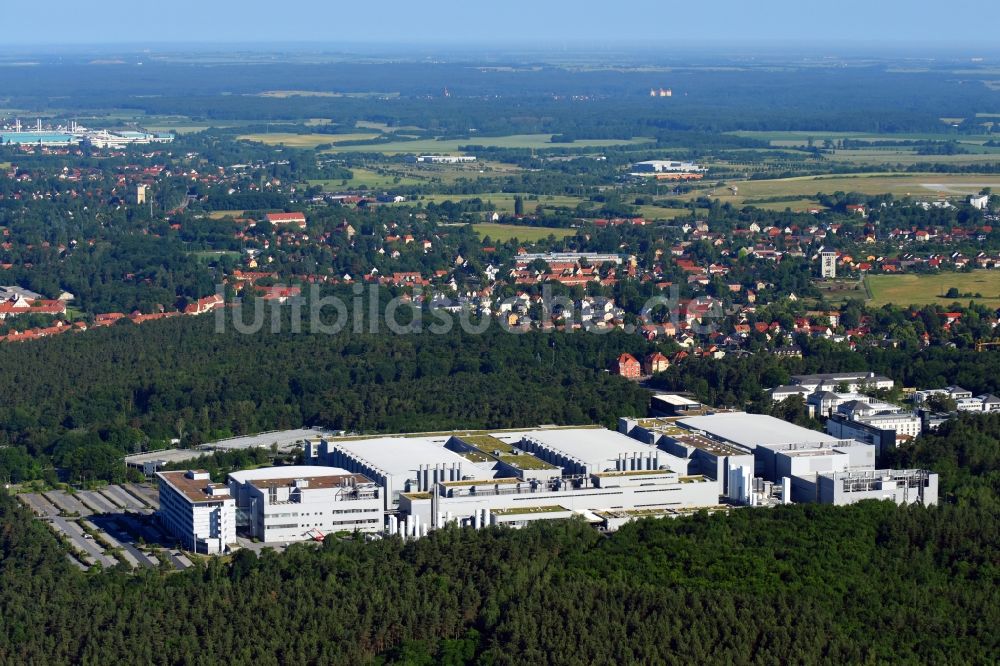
(199, 513)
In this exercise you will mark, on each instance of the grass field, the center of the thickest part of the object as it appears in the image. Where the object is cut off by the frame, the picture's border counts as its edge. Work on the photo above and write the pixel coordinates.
(927, 289)
(506, 232)
(435, 146)
(219, 214)
(305, 140)
(919, 186)
(373, 180)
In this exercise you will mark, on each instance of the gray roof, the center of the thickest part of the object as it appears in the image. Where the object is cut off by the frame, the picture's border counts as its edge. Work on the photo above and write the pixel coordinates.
(592, 446)
(752, 430)
(401, 455)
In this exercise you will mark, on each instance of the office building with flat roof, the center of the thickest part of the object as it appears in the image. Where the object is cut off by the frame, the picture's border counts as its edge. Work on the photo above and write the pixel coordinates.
(199, 513)
(296, 503)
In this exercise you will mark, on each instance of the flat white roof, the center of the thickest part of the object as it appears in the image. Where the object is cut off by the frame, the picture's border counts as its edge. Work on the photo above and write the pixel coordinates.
(401, 455)
(286, 472)
(677, 400)
(754, 430)
(592, 446)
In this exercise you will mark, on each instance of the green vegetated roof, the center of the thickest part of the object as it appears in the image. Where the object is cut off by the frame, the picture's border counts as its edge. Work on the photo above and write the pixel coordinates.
(526, 461)
(553, 508)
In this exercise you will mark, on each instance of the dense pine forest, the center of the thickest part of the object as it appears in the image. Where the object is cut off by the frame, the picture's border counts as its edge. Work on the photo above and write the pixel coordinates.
(83, 401)
(869, 583)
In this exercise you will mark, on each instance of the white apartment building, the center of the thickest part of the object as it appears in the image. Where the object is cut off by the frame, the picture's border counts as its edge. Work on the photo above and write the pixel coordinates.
(201, 514)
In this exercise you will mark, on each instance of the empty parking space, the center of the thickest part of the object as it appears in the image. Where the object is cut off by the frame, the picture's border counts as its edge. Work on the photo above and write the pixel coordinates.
(95, 499)
(67, 503)
(114, 501)
(108, 526)
(123, 499)
(143, 503)
(145, 493)
(81, 542)
(39, 505)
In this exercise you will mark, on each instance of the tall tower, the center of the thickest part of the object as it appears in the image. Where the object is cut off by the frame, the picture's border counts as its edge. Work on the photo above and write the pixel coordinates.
(140, 195)
(828, 264)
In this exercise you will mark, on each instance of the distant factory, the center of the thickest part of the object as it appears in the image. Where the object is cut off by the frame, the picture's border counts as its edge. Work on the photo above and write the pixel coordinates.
(668, 170)
(74, 135)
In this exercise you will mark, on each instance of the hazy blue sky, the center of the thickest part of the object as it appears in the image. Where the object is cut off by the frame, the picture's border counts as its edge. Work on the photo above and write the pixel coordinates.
(550, 22)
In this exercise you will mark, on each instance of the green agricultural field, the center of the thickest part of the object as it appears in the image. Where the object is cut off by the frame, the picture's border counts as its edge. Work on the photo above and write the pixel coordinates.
(305, 140)
(506, 232)
(448, 146)
(931, 289)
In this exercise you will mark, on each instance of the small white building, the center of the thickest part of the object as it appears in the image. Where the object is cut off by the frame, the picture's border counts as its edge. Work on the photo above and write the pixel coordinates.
(980, 202)
(201, 514)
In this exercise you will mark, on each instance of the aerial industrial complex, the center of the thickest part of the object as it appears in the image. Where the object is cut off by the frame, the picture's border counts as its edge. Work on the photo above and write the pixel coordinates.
(75, 134)
(691, 458)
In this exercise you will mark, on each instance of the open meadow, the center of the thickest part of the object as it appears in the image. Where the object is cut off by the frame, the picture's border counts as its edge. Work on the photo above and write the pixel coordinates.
(506, 232)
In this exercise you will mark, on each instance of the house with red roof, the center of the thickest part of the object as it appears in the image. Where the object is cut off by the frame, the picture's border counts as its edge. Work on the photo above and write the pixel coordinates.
(655, 362)
(627, 366)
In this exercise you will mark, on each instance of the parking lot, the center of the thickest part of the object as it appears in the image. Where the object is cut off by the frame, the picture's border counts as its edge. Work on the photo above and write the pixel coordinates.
(110, 526)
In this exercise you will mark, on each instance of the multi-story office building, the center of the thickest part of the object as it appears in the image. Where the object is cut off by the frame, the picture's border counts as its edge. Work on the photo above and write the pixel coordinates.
(282, 504)
(199, 513)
